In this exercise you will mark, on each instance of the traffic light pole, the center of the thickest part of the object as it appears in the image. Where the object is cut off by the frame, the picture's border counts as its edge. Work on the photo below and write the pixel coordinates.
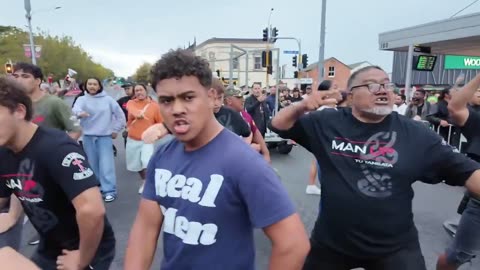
(321, 53)
(245, 52)
(299, 57)
(277, 80)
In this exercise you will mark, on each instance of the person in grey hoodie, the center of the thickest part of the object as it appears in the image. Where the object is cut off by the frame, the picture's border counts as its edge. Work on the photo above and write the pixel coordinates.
(101, 119)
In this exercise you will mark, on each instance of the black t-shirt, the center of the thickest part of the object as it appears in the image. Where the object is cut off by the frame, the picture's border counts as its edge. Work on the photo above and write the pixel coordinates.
(123, 104)
(367, 176)
(233, 121)
(471, 131)
(46, 176)
(295, 99)
(420, 109)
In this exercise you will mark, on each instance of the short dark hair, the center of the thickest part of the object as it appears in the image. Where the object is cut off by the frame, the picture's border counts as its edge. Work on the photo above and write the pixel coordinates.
(325, 85)
(444, 93)
(99, 83)
(358, 72)
(179, 63)
(142, 85)
(30, 69)
(403, 97)
(13, 94)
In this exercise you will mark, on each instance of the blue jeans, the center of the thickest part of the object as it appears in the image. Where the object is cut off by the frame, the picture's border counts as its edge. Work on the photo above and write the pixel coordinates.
(466, 244)
(13, 237)
(99, 150)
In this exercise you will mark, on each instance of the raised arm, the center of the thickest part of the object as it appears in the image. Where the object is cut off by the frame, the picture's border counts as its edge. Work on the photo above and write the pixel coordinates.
(457, 106)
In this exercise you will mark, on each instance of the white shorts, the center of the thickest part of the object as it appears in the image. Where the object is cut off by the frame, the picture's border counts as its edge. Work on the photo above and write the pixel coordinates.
(138, 155)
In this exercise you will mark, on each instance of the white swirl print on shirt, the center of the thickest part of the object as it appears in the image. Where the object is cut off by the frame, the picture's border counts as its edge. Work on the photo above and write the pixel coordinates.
(188, 189)
(380, 157)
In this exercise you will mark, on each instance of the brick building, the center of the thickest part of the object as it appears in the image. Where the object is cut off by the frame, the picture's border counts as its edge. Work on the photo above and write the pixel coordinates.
(335, 70)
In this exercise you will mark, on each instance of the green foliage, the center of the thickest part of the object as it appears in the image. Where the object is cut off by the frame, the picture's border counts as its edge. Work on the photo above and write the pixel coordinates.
(59, 53)
(142, 75)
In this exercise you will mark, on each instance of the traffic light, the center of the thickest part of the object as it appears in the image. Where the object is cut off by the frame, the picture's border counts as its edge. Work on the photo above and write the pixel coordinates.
(8, 68)
(218, 73)
(270, 70)
(295, 74)
(294, 61)
(265, 34)
(274, 34)
(305, 60)
(266, 60)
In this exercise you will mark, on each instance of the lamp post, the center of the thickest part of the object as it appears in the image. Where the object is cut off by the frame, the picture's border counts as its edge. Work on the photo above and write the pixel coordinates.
(28, 15)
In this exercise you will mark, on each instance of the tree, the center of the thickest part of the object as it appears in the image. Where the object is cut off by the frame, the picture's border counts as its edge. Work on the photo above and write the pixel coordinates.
(142, 75)
(59, 53)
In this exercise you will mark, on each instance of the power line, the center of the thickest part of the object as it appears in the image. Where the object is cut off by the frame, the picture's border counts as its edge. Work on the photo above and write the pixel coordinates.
(464, 8)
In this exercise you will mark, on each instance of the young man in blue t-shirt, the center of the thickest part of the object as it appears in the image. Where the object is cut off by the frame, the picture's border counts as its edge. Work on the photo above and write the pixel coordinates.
(207, 187)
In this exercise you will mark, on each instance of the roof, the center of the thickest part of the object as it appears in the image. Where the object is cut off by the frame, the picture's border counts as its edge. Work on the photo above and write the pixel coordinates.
(231, 40)
(314, 65)
(458, 35)
(356, 65)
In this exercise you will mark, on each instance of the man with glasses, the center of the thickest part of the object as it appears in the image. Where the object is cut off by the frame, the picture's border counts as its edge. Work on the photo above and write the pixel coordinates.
(370, 158)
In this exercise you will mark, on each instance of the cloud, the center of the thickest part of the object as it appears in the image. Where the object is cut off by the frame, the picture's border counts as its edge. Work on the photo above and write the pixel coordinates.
(123, 64)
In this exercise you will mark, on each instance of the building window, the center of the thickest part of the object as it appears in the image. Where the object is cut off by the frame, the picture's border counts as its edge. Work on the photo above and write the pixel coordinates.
(211, 56)
(235, 63)
(257, 62)
(331, 72)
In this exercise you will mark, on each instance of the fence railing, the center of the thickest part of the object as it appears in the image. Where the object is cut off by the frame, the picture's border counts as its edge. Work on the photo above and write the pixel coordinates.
(451, 129)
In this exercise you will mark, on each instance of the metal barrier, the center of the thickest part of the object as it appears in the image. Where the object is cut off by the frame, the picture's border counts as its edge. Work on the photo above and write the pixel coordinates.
(462, 139)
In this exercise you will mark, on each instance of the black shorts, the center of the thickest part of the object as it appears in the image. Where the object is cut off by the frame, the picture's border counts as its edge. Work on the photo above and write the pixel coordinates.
(324, 258)
(102, 260)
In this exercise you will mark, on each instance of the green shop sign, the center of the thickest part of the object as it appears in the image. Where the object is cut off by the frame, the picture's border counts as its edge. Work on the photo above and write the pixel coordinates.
(462, 62)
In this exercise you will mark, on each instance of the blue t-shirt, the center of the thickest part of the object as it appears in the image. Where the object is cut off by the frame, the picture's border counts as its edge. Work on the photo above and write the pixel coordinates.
(211, 199)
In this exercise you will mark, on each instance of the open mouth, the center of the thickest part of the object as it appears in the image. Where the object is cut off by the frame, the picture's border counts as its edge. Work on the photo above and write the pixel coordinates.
(181, 126)
(381, 100)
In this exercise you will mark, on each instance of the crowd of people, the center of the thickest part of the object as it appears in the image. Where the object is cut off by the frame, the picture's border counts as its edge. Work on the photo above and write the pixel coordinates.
(212, 183)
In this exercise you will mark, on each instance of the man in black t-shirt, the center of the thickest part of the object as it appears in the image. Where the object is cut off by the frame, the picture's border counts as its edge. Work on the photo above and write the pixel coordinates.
(122, 102)
(227, 117)
(59, 194)
(466, 244)
(370, 158)
(257, 107)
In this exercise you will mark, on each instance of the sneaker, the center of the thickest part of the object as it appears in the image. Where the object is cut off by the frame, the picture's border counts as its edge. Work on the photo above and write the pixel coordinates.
(109, 198)
(140, 190)
(313, 190)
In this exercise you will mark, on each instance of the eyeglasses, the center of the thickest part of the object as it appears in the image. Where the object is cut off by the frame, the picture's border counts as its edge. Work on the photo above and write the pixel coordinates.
(375, 87)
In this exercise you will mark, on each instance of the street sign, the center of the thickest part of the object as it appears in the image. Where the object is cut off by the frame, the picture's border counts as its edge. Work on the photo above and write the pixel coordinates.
(305, 81)
(290, 52)
(28, 51)
(462, 62)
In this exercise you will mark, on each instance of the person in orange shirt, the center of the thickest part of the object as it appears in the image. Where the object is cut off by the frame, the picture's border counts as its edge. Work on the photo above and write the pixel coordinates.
(143, 112)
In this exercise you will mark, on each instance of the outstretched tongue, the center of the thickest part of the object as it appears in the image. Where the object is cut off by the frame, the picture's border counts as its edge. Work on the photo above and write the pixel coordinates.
(181, 128)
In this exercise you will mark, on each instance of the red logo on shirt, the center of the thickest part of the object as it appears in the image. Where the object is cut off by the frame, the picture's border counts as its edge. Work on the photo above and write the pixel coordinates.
(38, 119)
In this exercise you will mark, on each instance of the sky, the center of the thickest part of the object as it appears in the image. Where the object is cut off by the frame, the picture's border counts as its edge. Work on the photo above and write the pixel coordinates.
(122, 34)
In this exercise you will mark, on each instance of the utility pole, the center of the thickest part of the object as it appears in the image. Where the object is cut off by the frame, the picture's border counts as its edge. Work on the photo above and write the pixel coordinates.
(269, 35)
(28, 9)
(321, 53)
